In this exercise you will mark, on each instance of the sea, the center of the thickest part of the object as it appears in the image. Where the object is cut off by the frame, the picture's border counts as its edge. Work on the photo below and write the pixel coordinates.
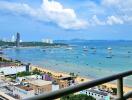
(88, 58)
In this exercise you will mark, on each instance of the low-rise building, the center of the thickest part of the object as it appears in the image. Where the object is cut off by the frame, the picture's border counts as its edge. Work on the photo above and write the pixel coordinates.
(23, 92)
(28, 78)
(65, 81)
(98, 95)
(41, 86)
(46, 77)
(4, 96)
(12, 70)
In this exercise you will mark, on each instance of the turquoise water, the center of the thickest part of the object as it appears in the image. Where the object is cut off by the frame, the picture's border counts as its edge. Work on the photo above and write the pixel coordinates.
(84, 63)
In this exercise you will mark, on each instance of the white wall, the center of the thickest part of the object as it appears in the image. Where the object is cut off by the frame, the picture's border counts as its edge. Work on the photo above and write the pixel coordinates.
(55, 87)
(96, 96)
(12, 69)
(22, 93)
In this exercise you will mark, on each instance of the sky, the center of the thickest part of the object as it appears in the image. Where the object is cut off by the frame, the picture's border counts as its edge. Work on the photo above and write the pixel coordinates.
(66, 19)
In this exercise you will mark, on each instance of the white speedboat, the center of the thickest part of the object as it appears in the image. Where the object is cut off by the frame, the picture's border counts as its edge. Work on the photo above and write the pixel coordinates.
(69, 48)
(85, 48)
(108, 56)
(109, 48)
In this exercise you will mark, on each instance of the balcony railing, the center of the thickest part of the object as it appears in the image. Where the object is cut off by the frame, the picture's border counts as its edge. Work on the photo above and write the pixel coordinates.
(66, 91)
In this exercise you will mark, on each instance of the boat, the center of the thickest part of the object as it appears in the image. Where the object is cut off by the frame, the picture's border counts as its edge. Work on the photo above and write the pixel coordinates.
(109, 48)
(108, 56)
(69, 48)
(85, 48)
(44, 50)
(93, 47)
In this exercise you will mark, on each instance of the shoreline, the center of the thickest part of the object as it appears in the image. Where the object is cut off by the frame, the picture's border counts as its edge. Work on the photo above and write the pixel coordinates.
(79, 78)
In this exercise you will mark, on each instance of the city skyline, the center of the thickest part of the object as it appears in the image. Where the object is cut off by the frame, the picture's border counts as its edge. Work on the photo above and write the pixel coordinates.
(61, 20)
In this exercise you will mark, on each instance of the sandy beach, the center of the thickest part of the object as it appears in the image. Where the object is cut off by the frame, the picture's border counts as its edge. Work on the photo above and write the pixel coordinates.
(79, 78)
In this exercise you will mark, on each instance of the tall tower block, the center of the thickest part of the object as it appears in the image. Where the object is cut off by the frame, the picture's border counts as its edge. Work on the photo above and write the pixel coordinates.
(17, 39)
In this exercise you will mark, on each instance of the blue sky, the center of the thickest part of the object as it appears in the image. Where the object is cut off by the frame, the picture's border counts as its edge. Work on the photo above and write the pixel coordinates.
(66, 19)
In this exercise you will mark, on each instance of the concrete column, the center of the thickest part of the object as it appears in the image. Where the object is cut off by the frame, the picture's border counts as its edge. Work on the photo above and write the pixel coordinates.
(120, 88)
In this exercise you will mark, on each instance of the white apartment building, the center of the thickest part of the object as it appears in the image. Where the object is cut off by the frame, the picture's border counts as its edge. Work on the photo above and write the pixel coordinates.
(10, 70)
(98, 95)
(23, 92)
(47, 41)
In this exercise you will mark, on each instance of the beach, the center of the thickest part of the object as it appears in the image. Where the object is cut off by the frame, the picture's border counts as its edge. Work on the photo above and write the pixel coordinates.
(84, 63)
(79, 78)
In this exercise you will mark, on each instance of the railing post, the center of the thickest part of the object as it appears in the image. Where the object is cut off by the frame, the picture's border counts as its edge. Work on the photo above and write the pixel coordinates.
(120, 88)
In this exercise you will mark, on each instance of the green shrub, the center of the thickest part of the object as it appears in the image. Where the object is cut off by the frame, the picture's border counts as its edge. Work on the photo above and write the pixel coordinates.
(77, 97)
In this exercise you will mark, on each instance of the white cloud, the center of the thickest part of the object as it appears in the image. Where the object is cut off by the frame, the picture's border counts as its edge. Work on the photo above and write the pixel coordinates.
(110, 20)
(110, 11)
(110, 2)
(51, 11)
(65, 18)
(127, 18)
(114, 20)
(17, 8)
(96, 21)
(116, 11)
(119, 7)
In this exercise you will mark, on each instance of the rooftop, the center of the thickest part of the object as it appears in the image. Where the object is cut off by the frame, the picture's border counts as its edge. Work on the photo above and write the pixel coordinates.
(98, 92)
(26, 88)
(11, 70)
(5, 64)
(40, 82)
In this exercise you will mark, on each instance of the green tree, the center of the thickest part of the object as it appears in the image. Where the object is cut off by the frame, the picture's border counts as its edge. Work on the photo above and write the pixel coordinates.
(77, 97)
(2, 72)
(72, 74)
(50, 74)
(24, 73)
(114, 90)
(36, 71)
(82, 80)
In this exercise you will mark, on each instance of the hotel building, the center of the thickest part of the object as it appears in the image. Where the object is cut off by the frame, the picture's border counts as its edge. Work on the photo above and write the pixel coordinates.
(23, 92)
(41, 86)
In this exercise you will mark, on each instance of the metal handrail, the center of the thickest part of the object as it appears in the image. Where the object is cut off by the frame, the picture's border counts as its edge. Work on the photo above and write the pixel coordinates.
(126, 96)
(86, 85)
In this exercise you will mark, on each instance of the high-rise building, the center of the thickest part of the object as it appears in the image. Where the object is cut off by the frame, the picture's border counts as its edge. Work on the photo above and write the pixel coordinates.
(28, 67)
(13, 38)
(47, 41)
(18, 40)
